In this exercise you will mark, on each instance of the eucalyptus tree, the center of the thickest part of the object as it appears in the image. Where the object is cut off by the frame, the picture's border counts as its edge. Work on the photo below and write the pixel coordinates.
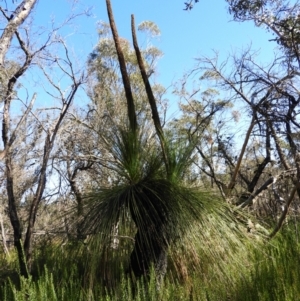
(269, 97)
(270, 93)
(280, 106)
(281, 18)
(15, 15)
(29, 132)
(11, 24)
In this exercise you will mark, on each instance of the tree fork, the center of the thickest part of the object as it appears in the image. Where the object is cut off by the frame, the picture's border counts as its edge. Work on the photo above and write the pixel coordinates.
(233, 179)
(48, 146)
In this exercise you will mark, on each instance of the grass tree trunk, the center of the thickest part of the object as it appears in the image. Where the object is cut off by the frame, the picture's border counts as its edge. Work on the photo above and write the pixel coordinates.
(147, 253)
(156, 236)
(150, 240)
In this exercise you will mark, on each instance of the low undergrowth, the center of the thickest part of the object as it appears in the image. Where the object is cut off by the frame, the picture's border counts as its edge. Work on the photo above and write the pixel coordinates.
(263, 270)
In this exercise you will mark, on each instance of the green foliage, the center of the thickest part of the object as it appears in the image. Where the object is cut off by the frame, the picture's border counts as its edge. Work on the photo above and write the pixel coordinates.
(161, 205)
(261, 271)
(241, 8)
(279, 17)
(273, 273)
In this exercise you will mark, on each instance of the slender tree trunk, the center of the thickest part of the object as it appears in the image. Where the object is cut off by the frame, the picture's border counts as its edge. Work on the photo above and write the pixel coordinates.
(79, 201)
(49, 142)
(237, 167)
(284, 213)
(14, 218)
(12, 206)
(34, 206)
(3, 235)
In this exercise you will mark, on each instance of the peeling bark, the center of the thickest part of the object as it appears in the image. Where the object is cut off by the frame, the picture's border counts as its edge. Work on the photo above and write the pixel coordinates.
(19, 16)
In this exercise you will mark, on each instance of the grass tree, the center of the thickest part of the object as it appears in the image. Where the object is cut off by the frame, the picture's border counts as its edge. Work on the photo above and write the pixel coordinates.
(148, 188)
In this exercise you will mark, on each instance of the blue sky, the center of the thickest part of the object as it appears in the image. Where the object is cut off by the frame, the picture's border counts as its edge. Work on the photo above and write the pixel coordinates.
(185, 35)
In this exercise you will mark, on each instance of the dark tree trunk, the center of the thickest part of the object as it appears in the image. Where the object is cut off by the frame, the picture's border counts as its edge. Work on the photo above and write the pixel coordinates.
(149, 250)
(14, 218)
(152, 239)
